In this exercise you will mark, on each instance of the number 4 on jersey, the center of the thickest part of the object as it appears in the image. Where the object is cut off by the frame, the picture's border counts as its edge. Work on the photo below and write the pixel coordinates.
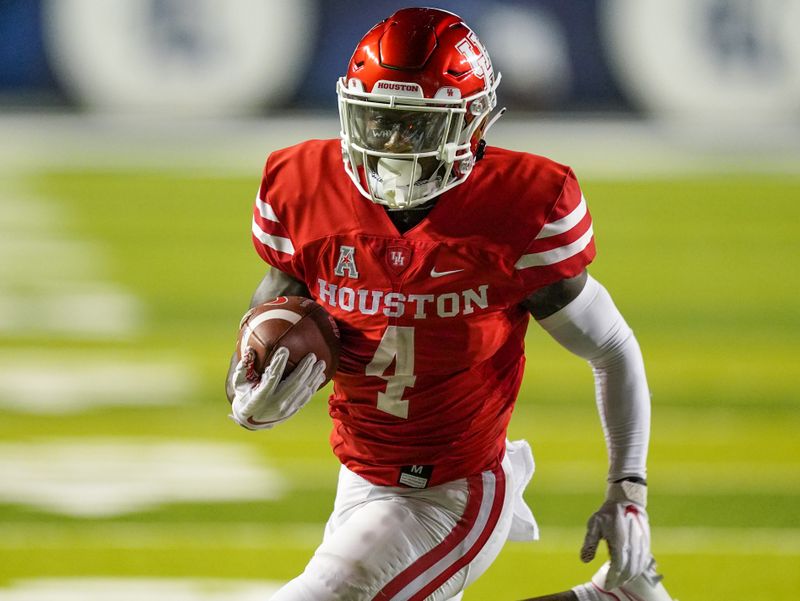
(396, 345)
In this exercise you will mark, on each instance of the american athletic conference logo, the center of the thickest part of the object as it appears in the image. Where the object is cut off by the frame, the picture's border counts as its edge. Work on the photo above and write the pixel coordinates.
(346, 265)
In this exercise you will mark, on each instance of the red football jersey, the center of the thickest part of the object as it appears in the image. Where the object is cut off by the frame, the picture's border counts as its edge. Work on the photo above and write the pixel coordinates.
(431, 324)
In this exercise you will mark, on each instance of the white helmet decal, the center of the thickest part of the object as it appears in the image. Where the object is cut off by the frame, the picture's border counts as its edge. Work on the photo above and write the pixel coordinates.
(472, 50)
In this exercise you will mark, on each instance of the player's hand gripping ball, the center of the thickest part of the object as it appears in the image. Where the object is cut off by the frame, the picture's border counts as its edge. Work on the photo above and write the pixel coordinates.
(287, 349)
(294, 322)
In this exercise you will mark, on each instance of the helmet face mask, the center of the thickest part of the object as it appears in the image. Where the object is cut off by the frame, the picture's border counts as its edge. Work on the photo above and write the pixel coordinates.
(409, 122)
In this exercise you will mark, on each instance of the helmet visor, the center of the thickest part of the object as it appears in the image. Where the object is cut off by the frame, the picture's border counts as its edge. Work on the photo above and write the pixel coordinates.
(397, 131)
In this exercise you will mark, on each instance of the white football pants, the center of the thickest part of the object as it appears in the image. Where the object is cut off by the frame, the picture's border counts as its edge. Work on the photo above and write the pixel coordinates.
(409, 544)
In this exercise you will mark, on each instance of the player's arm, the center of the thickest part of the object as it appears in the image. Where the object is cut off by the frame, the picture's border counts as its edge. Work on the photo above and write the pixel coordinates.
(579, 313)
(546, 301)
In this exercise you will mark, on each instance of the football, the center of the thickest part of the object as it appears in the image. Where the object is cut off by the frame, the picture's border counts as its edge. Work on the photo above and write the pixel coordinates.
(296, 322)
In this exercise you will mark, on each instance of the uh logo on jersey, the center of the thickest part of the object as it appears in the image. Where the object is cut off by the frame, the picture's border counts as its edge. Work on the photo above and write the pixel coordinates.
(397, 259)
(396, 304)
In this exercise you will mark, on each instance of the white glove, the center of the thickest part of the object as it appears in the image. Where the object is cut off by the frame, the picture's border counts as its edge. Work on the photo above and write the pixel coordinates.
(622, 522)
(271, 400)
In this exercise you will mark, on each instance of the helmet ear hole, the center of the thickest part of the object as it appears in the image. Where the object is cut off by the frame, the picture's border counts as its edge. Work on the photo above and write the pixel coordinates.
(480, 149)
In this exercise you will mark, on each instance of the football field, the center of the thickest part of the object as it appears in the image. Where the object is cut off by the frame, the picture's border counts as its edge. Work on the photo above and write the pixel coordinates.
(122, 478)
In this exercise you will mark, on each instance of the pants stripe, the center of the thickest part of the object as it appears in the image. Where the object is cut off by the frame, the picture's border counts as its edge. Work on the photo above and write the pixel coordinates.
(494, 516)
(459, 547)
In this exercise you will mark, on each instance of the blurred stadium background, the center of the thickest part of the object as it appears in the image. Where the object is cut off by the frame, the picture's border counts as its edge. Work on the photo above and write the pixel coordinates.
(132, 134)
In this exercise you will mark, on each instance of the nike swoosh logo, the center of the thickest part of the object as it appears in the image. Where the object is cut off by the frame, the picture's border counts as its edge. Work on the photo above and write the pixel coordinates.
(439, 274)
(254, 422)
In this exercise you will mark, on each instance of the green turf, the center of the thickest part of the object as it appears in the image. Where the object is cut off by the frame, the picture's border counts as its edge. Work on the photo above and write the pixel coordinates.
(704, 269)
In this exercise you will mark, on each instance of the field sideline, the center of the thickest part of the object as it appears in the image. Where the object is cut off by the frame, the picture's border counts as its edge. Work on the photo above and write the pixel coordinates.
(134, 280)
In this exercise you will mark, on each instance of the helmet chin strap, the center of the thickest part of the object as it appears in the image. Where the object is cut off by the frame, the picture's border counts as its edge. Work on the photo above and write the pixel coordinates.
(396, 178)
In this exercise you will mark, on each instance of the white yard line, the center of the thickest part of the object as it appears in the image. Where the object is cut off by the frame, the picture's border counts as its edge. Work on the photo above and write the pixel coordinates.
(109, 477)
(78, 380)
(85, 311)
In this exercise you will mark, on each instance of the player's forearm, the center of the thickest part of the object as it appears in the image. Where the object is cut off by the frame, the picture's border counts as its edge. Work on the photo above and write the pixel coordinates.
(623, 402)
(276, 283)
(593, 328)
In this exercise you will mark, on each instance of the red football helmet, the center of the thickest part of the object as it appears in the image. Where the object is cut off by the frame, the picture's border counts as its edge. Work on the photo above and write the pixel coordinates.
(413, 106)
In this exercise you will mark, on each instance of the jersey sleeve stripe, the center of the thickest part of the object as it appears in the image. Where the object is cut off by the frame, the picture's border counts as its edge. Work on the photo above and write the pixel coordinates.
(566, 223)
(265, 210)
(278, 243)
(555, 255)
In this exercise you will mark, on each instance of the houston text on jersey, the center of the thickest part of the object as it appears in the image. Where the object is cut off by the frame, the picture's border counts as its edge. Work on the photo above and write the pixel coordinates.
(396, 304)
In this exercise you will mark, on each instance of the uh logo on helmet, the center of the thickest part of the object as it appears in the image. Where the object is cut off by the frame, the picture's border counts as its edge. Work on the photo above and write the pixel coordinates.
(413, 106)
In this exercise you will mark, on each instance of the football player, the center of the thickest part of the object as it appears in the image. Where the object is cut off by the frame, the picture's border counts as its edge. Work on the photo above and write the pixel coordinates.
(432, 251)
